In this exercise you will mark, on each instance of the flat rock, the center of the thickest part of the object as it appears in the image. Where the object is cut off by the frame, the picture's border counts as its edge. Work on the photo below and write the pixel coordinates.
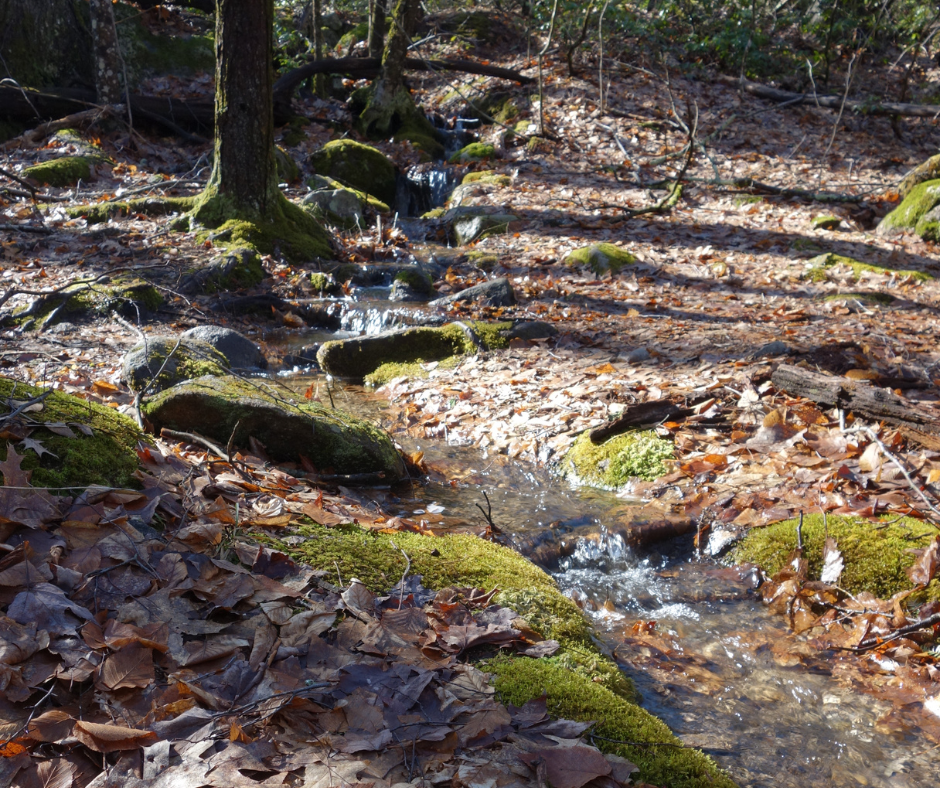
(289, 428)
(238, 349)
(496, 292)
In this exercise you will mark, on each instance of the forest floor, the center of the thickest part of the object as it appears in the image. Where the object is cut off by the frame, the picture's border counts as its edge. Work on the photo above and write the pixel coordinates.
(719, 277)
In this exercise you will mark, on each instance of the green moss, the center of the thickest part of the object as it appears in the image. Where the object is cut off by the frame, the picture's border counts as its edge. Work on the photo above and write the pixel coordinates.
(358, 33)
(146, 206)
(435, 213)
(574, 697)
(324, 283)
(928, 171)
(875, 554)
(817, 268)
(247, 272)
(826, 222)
(615, 462)
(124, 295)
(868, 298)
(490, 333)
(191, 359)
(295, 133)
(918, 212)
(419, 281)
(487, 176)
(475, 151)
(290, 230)
(287, 169)
(747, 199)
(424, 142)
(65, 171)
(357, 165)
(414, 370)
(107, 457)
(601, 258)
(487, 261)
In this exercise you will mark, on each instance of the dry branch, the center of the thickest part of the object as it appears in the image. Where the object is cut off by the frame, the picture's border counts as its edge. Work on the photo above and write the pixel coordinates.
(860, 397)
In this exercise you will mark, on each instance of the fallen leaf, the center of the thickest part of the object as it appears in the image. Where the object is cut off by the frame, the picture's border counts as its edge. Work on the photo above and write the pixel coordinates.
(111, 738)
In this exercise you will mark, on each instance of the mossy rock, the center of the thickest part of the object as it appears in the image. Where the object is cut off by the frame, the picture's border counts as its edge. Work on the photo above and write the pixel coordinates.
(146, 206)
(880, 299)
(826, 222)
(876, 554)
(62, 172)
(416, 370)
(372, 202)
(474, 223)
(357, 165)
(572, 696)
(130, 297)
(817, 268)
(237, 269)
(324, 284)
(224, 408)
(495, 105)
(617, 461)
(475, 151)
(412, 284)
(107, 456)
(927, 171)
(288, 171)
(919, 212)
(356, 357)
(487, 176)
(601, 258)
(192, 358)
(581, 682)
(359, 32)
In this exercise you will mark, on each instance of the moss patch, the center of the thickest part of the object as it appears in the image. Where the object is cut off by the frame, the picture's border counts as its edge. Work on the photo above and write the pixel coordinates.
(601, 258)
(287, 169)
(826, 222)
(419, 281)
(108, 456)
(918, 212)
(818, 267)
(928, 171)
(128, 296)
(357, 165)
(65, 171)
(475, 151)
(867, 298)
(574, 697)
(386, 373)
(615, 462)
(147, 206)
(487, 176)
(192, 359)
(876, 554)
(324, 283)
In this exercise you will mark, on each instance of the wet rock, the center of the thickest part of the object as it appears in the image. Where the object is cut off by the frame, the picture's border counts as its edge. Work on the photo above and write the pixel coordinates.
(495, 292)
(333, 441)
(238, 349)
(411, 284)
(305, 357)
(164, 361)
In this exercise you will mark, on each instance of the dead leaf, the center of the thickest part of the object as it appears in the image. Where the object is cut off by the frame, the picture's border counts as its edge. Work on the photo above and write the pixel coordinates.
(569, 767)
(833, 563)
(111, 738)
(925, 567)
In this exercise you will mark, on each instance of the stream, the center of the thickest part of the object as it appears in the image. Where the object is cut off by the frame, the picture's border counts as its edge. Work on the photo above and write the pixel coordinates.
(709, 668)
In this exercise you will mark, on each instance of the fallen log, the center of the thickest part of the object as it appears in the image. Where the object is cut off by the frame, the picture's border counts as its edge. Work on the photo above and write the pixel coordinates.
(642, 414)
(867, 106)
(873, 402)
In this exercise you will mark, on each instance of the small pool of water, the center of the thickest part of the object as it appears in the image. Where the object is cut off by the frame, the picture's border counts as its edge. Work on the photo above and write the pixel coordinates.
(708, 658)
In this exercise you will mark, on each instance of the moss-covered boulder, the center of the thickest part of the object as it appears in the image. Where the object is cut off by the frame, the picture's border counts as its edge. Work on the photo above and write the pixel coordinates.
(876, 554)
(237, 269)
(467, 224)
(818, 268)
(231, 408)
(494, 105)
(617, 461)
(487, 176)
(130, 297)
(581, 682)
(339, 205)
(357, 357)
(919, 212)
(62, 172)
(475, 151)
(826, 222)
(360, 166)
(288, 171)
(927, 171)
(164, 361)
(239, 351)
(83, 444)
(600, 258)
(412, 284)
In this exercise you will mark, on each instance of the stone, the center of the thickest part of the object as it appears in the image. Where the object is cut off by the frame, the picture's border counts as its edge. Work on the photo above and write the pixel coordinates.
(357, 165)
(305, 357)
(775, 348)
(290, 429)
(475, 151)
(336, 206)
(530, 329)
(237, 268)
(919, 212)
(160, 364)
(411, 284)
(927, 171)
(637, 355)
(238, 349)
(470, 228)
(601, 258)
(495, 292)
(826, 222)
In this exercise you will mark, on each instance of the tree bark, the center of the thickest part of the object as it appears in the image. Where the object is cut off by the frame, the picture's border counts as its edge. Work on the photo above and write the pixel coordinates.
(244, 171)
(870, 401)
(319, 80)
(107, 56)
(376, 27)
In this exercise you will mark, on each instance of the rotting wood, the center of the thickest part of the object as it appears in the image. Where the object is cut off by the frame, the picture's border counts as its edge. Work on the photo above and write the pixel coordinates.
(873, 402)
(642, 414)
(867, 106)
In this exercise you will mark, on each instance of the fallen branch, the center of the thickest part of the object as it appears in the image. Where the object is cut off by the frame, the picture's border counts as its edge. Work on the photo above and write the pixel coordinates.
(867, 106)
(642, 414)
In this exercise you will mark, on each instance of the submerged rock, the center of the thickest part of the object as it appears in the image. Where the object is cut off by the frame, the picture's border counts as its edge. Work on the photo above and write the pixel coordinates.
(164, 361)
(239, 350)
(231, 408)
(495, 292)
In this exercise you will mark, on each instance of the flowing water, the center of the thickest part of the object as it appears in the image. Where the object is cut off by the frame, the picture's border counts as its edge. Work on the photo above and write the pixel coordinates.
(693, 635)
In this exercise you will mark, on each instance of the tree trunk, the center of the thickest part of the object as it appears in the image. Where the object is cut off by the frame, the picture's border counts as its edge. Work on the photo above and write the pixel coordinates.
(107, 56)
(376, 28)
(244, 171)
(319, 79)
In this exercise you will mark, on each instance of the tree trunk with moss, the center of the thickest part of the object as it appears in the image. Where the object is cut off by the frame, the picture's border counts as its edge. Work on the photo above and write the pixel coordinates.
(376, 27)
(107, 60)
(242, 194)
(391, 108)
